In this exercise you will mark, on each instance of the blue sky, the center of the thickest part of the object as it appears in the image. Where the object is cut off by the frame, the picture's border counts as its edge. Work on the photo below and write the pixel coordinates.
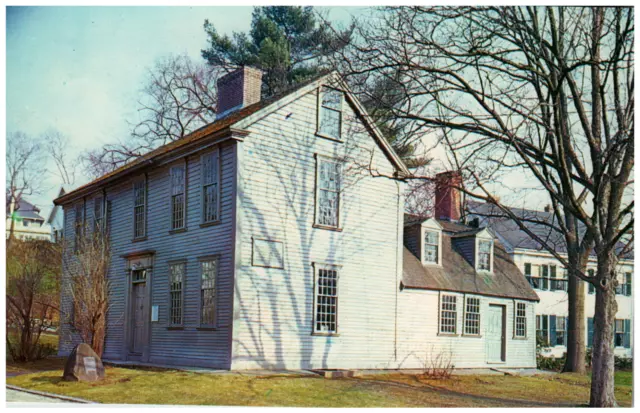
(80, 69)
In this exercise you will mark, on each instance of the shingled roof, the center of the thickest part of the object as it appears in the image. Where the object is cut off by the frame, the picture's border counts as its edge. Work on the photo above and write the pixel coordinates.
(458, 275)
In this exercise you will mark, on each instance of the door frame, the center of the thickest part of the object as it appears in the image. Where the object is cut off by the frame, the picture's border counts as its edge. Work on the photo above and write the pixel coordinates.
(503, 350)
(137, 261)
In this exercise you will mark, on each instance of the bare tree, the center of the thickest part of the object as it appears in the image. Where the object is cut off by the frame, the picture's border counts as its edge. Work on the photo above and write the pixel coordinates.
(25, 160)
(59, 148)
(179, 97)
(87, 265)
(543, 91)
(33, 281)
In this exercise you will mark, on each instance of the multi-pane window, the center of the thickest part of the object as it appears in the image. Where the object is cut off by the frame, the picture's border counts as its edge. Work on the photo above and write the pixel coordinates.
(622, 336)
(139, 208)
(448, 314)
(542, 328)
(176, 289)
(330, 116)
(138, 276)
(472, 316)
(210, 187)
(431, 245)
(78, 225)
(484, 255)
(538, 275)
(98, 213)
(326, 312)
(208, 274)
(521, 320)
(626, 286)
(328, 183)
(561, 331)
(178, 197)
(592, 288)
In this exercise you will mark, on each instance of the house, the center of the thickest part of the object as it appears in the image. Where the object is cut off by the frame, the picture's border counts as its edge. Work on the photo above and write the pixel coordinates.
(27, 222)
(549, 278)
(264, 240)
(56, 220)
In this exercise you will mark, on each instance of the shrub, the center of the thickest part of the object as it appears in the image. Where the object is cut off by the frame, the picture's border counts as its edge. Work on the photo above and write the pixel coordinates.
(623, 363)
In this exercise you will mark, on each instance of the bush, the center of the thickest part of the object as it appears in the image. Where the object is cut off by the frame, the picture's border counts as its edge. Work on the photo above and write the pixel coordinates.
(624, 363)
(551, 363)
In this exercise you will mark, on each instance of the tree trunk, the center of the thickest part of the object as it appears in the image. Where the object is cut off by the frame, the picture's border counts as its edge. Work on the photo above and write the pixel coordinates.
(576, 348)
(602, 373)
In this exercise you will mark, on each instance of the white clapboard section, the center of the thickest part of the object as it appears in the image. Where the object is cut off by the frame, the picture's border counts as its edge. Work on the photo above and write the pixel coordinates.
(268, 253)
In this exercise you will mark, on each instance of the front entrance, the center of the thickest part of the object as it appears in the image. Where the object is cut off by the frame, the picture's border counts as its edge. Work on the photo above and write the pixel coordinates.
(138, 314)
(495, 334)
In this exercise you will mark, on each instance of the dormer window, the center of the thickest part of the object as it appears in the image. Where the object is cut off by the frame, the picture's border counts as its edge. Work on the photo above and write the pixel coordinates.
(431, 246)
(485, 255)
(330, 113)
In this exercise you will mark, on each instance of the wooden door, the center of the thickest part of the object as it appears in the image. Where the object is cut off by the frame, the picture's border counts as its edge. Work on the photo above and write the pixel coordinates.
(495, 334)
(138, 317)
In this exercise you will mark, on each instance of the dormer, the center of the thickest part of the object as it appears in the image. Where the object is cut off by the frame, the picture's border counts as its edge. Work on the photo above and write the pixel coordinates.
(424, 239)
(477, 248)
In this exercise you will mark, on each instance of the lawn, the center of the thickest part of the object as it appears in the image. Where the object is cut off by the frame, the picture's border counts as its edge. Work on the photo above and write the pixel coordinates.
(124, 385)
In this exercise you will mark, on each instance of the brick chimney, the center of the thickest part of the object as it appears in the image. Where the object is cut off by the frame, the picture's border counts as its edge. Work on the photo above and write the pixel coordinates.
(448, 201)
(238, 89)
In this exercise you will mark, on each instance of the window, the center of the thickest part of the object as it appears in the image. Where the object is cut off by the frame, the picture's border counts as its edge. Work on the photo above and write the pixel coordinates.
(448, 314)
(484, 255)
(79, 225)
(542, 328)
(138, 276)
(534, 281)
(177, 197)
(555, 283)
(472, 316)
(328, 196)
(208, 275)
(176, 289)
(622, 333)
(210, 187)
(98, 213)
(330, 116)
(543, 272)
(431, 245)
(139, 208)
(561, 329)
(25, 222)
(326, 311)
(592, 288)
(626, 287)
(521, 320)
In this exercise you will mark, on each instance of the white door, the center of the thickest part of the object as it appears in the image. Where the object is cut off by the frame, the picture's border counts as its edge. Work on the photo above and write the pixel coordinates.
(495, 334)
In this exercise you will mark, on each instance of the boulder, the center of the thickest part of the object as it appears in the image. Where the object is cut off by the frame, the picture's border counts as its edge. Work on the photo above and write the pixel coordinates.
(83, 364)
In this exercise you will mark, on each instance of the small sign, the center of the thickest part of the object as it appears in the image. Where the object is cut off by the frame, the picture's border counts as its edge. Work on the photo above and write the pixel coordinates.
(90, 365)
(154, 313)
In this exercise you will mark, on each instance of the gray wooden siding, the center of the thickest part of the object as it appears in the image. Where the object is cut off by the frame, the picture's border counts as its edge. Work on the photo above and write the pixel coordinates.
(274, 307)
(412, 239)
(189, 346)
(467, 247)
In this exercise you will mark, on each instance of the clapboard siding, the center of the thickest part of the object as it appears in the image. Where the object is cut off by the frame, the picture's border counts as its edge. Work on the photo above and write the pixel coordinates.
(273, 326)
(467, 247)
(190, 346)
(421, 345)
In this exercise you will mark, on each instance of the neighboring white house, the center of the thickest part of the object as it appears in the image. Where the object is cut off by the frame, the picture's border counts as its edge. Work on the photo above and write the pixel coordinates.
(549, 279)
(56, 220)
(27, 222)
(263, 240)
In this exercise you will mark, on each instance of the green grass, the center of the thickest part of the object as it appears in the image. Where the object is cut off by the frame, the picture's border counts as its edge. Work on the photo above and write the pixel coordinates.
(124, 385)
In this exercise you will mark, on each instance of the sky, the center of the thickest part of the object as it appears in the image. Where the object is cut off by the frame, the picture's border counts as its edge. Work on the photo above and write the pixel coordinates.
(80, 69)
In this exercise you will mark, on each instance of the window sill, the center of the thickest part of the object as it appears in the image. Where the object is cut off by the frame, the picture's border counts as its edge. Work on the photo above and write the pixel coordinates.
(209, 224)
(472, 335)
(207, 328)
(331, 138)
(326, 334)
(175, 328)
(448, 335)
(520, 338)
(139, 239)
(178, 230)
(328, 228)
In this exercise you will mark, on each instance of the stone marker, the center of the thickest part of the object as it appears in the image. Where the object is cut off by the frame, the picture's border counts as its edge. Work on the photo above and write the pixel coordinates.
(83, 364)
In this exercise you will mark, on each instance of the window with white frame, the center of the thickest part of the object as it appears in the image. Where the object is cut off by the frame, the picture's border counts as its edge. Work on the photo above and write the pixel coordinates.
(178, 199)
(484, 255)
(326, 299)
(542, 328)
(472, 316)
(328, 195)
(176, 292)
(210, 187)
(561, 331)
(330, 116)
(209, 273)
(431, 246)
(592, 288)
(521, 320)
(626, 287)
(98, 213)
(448, 314)
(139, 208)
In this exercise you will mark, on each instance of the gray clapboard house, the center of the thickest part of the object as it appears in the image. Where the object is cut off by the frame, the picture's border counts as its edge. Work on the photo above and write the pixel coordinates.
(272, 239)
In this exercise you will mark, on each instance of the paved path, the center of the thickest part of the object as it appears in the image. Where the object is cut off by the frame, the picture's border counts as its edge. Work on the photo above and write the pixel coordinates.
(14, 396)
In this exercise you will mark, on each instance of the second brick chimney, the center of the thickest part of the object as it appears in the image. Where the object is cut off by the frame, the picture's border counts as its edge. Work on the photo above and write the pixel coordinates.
(238, 89)
(448, 201)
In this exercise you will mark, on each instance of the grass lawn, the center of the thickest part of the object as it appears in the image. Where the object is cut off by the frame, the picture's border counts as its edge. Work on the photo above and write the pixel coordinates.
(45, 364)
(176, 387)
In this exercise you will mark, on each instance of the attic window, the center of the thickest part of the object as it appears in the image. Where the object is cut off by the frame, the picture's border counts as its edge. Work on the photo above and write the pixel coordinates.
(330, 113)
(485, 248)
(431, 246)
